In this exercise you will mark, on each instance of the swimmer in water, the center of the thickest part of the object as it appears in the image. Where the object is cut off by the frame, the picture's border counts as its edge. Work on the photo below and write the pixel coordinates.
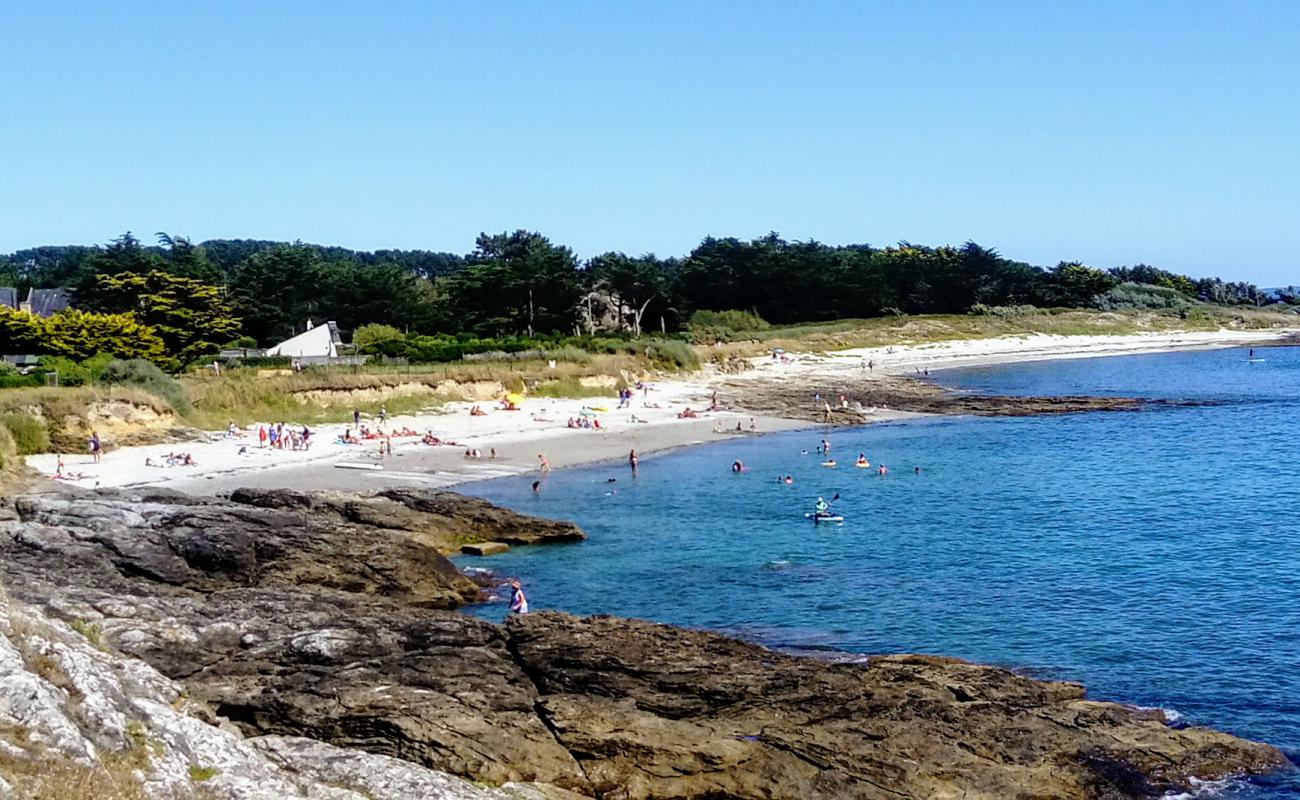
(862, 460)
(789, 480)
(537, 487)
(882, 470)
(917, 470)
(737, 466)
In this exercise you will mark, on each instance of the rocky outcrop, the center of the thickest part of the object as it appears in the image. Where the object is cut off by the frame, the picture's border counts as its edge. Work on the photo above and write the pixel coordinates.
(206, 545)
(791, 400)
(302, 628)
(444, 520)
(80, 721)
(656, 711)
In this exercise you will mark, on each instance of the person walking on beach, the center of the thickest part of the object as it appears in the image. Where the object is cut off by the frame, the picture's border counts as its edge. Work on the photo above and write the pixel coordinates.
(518, 602)
(356, 418)
(96, 449)
(261, 436)
(543, 464)
(383, 414)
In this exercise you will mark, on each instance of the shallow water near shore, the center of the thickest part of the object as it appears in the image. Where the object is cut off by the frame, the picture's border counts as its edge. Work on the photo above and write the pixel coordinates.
(1152, 555)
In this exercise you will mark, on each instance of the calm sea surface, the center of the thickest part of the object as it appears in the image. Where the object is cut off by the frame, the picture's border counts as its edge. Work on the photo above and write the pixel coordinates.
(1153, 555)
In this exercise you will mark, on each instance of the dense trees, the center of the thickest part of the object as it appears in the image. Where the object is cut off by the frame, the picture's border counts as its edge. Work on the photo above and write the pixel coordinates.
(187, 314)
(519, 283)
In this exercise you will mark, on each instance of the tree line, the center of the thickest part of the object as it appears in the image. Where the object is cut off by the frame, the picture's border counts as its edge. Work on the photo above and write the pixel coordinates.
(522, 284)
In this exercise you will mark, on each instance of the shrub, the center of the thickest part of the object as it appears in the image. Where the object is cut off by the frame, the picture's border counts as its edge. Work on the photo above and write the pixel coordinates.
(370, 338)
(1141, 296)
(29, 434)
(672, 353)
(147, 376)
(732, 320)
(1004, 312)
(242, 343)
(69, 372)
(96, 363)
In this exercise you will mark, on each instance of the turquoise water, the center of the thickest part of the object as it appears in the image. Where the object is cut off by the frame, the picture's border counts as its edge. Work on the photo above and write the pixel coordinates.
(1153, 555)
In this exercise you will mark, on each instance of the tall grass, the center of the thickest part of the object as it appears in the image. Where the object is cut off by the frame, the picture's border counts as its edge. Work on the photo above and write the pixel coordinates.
(28, 434)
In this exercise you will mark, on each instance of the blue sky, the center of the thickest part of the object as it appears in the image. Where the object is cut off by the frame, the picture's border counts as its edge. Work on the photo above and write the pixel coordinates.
(1111, 133)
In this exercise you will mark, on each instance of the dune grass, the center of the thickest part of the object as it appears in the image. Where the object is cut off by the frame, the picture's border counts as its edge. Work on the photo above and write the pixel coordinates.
(248, 395)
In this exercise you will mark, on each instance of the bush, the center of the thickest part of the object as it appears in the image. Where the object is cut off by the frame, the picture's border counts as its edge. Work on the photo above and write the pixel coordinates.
(96, 363)
(732, 320)
(146, 375)
(1004, 312)
(672, 353)
(69, 372)
(29, 434)
(242, 343)
(1141, 296)
(369, 338)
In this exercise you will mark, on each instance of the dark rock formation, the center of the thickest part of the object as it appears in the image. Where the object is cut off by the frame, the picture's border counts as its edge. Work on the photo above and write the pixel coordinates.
(655, 711)
(791, 400)
(444, 520)
(289, 616)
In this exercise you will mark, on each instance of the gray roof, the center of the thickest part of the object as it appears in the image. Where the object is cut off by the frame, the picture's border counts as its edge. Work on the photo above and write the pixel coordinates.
(48, 302)
(9, 297)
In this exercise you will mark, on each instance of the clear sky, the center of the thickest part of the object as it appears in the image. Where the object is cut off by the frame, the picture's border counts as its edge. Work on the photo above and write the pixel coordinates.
(1109, 132)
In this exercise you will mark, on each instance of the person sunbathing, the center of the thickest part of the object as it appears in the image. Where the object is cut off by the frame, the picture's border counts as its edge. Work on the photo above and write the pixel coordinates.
(477, 411)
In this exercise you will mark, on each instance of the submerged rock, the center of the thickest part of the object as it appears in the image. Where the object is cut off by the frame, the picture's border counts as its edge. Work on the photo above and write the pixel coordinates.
(314, 630)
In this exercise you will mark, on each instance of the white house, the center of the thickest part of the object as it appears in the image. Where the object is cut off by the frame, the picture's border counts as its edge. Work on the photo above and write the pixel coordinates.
(320, 341)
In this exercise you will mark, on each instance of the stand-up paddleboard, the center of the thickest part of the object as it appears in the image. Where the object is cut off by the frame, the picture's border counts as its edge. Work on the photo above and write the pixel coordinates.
(357, 465)
(818, 518)
(1255, 360)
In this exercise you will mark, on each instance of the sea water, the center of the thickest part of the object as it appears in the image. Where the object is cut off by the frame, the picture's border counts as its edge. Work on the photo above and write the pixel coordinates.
(1152, 555)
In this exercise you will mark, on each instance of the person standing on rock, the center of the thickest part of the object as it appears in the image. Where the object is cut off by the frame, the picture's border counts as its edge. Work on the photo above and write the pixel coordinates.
(518, 603)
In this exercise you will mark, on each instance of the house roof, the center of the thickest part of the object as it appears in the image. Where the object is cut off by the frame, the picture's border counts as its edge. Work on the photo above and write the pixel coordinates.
(9, 297)
(48, 302)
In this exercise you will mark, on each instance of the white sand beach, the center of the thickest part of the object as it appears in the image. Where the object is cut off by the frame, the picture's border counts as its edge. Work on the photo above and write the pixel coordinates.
(652, 423)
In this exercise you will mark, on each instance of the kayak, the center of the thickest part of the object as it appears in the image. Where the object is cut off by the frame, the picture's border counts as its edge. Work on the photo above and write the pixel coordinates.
(817, 518)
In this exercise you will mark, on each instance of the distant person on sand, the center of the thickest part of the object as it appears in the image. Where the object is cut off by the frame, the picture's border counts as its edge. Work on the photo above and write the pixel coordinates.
(543, 464)
(356, 418)
(518, 603)
(383, 414)
(96, 449)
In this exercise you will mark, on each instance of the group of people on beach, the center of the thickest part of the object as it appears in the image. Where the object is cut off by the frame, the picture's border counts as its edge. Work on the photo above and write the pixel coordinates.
(277, 438)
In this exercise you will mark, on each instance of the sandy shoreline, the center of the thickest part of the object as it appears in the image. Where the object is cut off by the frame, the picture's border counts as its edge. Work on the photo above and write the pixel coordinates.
(650, 425)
